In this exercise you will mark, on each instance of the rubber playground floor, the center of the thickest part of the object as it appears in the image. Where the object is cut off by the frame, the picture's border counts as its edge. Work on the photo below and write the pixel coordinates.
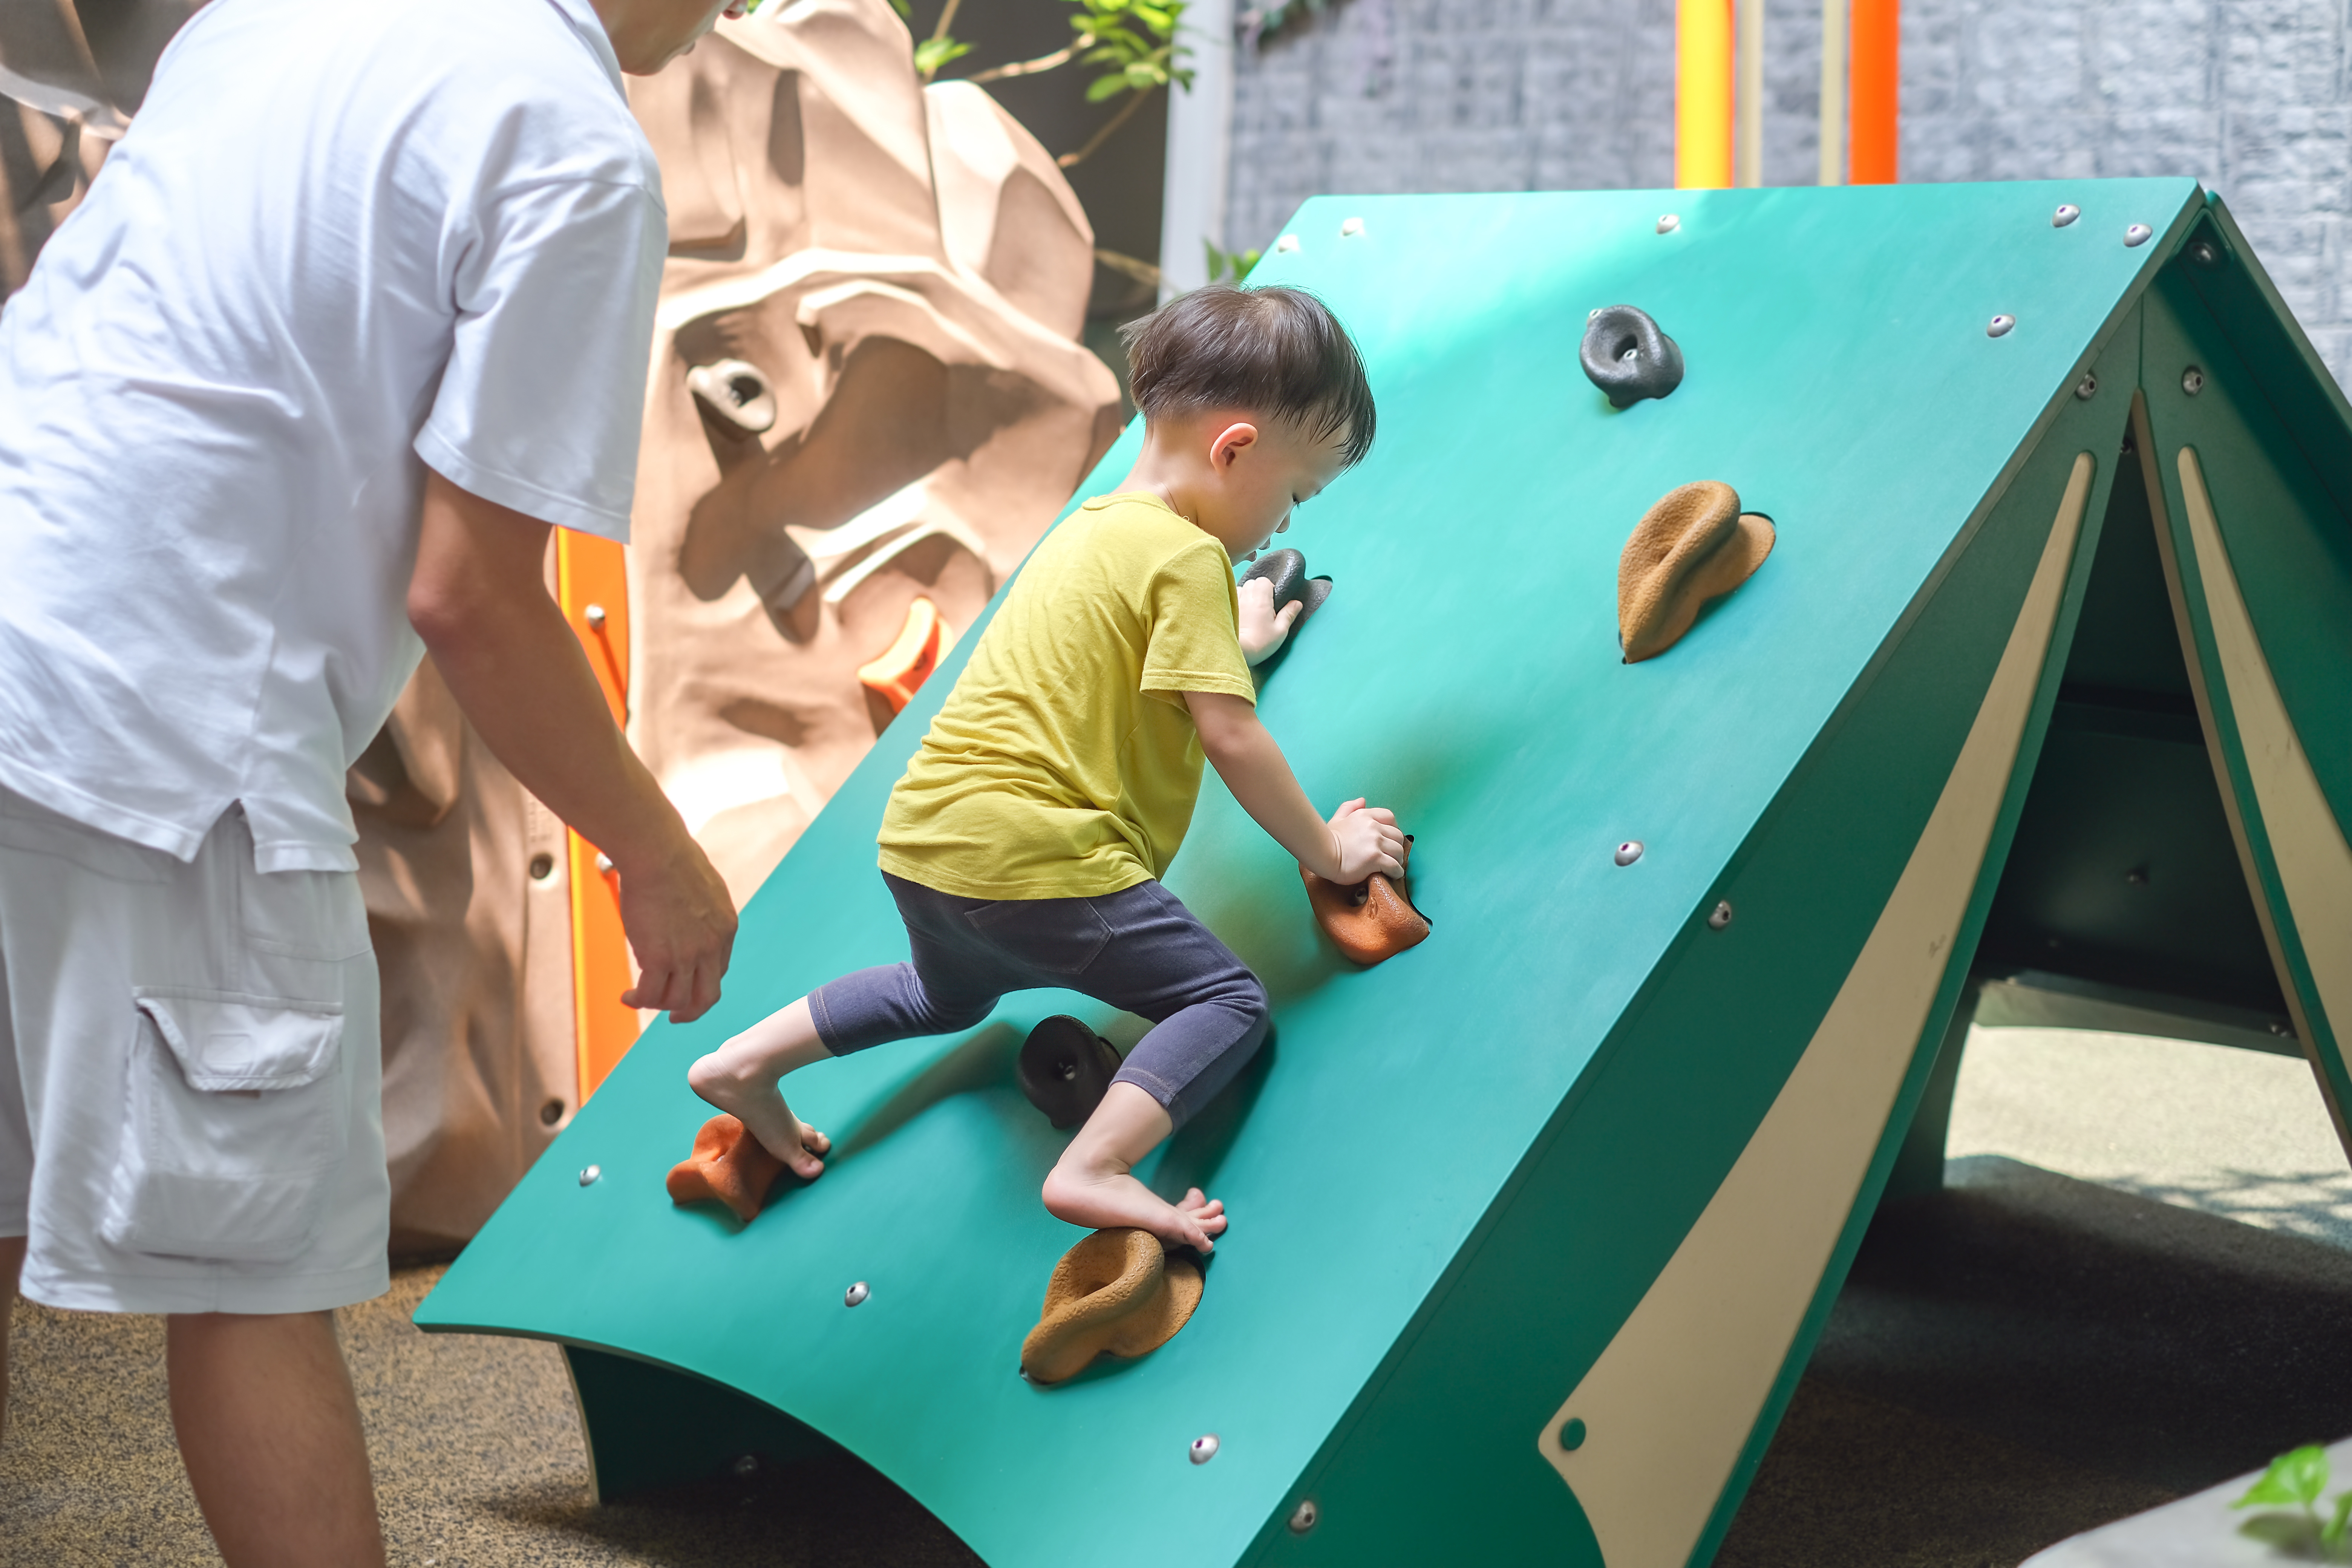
(2023, 1356)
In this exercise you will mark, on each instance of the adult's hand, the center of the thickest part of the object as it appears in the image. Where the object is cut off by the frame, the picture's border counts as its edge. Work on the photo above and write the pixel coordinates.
(480, 600)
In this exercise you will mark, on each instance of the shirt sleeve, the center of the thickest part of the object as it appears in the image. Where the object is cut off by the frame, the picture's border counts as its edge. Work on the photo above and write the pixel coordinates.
(540, 406)
(1195, 633)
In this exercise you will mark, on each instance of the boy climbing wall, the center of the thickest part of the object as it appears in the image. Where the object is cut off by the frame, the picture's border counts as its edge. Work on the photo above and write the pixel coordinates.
(1025, 843)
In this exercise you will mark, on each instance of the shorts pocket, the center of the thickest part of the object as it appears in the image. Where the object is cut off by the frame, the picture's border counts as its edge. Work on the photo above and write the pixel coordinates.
(1055, 936)
(238, 1112)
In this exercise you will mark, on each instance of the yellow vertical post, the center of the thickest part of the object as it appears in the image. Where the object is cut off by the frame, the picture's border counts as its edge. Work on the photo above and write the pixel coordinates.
(1833, 92)
(1702, 94)
(1748, 42)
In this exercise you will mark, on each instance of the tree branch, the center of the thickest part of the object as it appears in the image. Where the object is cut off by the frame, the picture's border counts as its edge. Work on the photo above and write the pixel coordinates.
(1072, 159)
(1042, 63)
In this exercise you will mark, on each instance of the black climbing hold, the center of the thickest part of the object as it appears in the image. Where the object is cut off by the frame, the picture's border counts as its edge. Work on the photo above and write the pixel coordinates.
(1065, 1069)
(1287, 570)
(1626, 355)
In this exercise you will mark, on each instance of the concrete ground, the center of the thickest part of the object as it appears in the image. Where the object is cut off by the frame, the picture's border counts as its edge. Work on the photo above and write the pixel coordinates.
(2134, 1287)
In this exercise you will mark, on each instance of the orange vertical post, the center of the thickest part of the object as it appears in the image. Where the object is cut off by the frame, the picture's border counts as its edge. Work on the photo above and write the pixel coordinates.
(1875, 38)
(1702, 94)
(591, 584)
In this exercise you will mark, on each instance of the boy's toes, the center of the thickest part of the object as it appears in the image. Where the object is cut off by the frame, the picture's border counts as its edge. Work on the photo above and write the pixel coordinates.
(805, 1165)
(815, 1141)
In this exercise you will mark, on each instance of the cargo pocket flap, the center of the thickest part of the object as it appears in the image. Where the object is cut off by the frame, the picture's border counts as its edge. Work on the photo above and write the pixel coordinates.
(228, 1042)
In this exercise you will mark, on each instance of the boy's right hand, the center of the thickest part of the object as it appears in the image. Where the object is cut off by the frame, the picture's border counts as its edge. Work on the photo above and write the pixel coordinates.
(1365, 840)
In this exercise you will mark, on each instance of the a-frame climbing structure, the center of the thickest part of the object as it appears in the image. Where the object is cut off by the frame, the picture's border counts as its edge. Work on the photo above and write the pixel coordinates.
(1535, 1225)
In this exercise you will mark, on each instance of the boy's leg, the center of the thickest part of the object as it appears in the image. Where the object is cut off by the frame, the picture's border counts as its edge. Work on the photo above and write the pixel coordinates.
(1211, 1016)
(270, 1432)
(950, 982)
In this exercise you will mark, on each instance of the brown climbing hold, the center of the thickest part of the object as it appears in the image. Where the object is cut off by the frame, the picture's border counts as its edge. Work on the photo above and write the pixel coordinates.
(1694, 546)
(728, 1165)
(1371, 921)
(902, 669)
(1117, 1293)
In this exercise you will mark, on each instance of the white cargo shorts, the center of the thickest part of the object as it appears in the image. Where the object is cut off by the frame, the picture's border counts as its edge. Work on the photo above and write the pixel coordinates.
(190, 1074)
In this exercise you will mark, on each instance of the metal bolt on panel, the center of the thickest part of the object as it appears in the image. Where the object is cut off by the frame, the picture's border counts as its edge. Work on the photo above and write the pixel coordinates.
(2067, 213)
(1629, 852)
(2138, 234)
(1999, 327)
(592, 1175)
(1720, 916)
(856, 1294)
(1303, 1516)
(1204, 1447)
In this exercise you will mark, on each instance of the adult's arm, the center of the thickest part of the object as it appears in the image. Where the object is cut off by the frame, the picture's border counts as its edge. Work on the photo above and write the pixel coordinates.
(480, 600)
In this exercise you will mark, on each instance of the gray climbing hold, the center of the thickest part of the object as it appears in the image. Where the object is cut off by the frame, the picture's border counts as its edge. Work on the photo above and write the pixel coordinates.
(1627, 357)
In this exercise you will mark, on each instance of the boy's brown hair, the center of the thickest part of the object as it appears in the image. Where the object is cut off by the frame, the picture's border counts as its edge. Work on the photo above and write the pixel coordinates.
(1277, 349)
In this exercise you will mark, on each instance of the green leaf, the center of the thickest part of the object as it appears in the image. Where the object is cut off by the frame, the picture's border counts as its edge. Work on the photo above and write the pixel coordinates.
(1107, 87)
(933, 53)
(2297, 1476)
(2331, 1534)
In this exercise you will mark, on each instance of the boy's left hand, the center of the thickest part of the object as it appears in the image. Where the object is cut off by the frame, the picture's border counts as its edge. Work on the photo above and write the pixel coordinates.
(1263, 631)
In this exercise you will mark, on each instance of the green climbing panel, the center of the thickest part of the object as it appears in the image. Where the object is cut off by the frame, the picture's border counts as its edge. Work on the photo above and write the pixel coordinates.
(1534, 1226)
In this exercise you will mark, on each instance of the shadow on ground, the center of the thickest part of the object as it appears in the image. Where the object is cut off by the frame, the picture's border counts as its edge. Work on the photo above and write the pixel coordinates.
(2019, 1358)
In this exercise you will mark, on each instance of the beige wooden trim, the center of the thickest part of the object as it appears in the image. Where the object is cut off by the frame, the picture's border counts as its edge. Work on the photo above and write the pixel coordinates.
(1671, 1400)
(2307, 845)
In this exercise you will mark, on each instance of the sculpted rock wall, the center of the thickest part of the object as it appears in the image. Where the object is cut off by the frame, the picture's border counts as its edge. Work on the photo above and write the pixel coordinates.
(877, 289)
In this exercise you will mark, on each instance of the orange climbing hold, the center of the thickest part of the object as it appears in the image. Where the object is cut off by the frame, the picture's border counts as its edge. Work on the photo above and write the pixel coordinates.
(900, 671)
(1119, 1294)
(728, 1165)
(1371, 921)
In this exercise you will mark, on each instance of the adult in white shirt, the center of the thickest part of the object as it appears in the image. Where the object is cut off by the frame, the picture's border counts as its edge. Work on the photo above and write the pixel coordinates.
(357, 310)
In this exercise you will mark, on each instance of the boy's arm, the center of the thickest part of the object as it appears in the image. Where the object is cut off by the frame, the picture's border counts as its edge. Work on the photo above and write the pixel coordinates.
(1353, 844)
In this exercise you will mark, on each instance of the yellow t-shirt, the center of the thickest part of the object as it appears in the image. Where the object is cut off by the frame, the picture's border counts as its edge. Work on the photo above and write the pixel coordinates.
(1064, 763)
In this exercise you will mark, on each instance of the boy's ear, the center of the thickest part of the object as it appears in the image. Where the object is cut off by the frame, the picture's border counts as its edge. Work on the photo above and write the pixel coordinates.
(1230, 443)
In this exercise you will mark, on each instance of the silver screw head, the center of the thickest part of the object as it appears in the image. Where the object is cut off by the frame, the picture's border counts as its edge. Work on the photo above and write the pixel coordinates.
(1629, 852)
(1999, 327)
(2192, 381)
(1349, 228)
(1288, 243)
(594, 616)
(2202, 253)
(1720, 916)
(603, 864)
(855, 1294)
(1669, 223)
(1303, 1516)
(2138, 234)
(2067, 213)
(747, 1464)
(1204, 1447)
(592, 1175)
(2087, 388)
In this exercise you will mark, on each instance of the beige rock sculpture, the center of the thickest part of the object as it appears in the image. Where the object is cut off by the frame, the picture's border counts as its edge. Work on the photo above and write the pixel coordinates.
(867, 389)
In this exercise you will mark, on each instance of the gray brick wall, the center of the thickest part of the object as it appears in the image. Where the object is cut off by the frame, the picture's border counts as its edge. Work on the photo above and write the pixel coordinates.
(2253, 97)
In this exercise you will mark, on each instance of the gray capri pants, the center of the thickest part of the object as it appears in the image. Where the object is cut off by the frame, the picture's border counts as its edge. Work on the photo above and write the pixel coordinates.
(1140, 948)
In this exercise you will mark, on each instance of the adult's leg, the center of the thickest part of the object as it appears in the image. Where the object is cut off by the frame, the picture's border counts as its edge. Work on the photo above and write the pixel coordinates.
(270, 1430)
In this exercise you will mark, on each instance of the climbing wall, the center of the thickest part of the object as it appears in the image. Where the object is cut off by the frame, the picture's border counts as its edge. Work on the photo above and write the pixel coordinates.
(1534, 1224)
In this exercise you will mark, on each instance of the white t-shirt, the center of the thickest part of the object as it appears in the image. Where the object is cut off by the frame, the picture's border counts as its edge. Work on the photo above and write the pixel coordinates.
(340, 238)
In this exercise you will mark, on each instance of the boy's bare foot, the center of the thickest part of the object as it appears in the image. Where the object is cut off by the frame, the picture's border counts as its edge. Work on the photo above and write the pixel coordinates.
(754, 1099)
(1102, 1198)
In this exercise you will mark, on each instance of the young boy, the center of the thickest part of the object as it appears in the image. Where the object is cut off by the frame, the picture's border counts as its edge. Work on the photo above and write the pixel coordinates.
(1025, 842)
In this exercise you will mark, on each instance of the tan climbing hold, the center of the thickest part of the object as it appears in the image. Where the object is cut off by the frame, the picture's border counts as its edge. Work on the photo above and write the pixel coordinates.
(729, 1165)
(901, 670)
(1116, 1293)
(1694, 545)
